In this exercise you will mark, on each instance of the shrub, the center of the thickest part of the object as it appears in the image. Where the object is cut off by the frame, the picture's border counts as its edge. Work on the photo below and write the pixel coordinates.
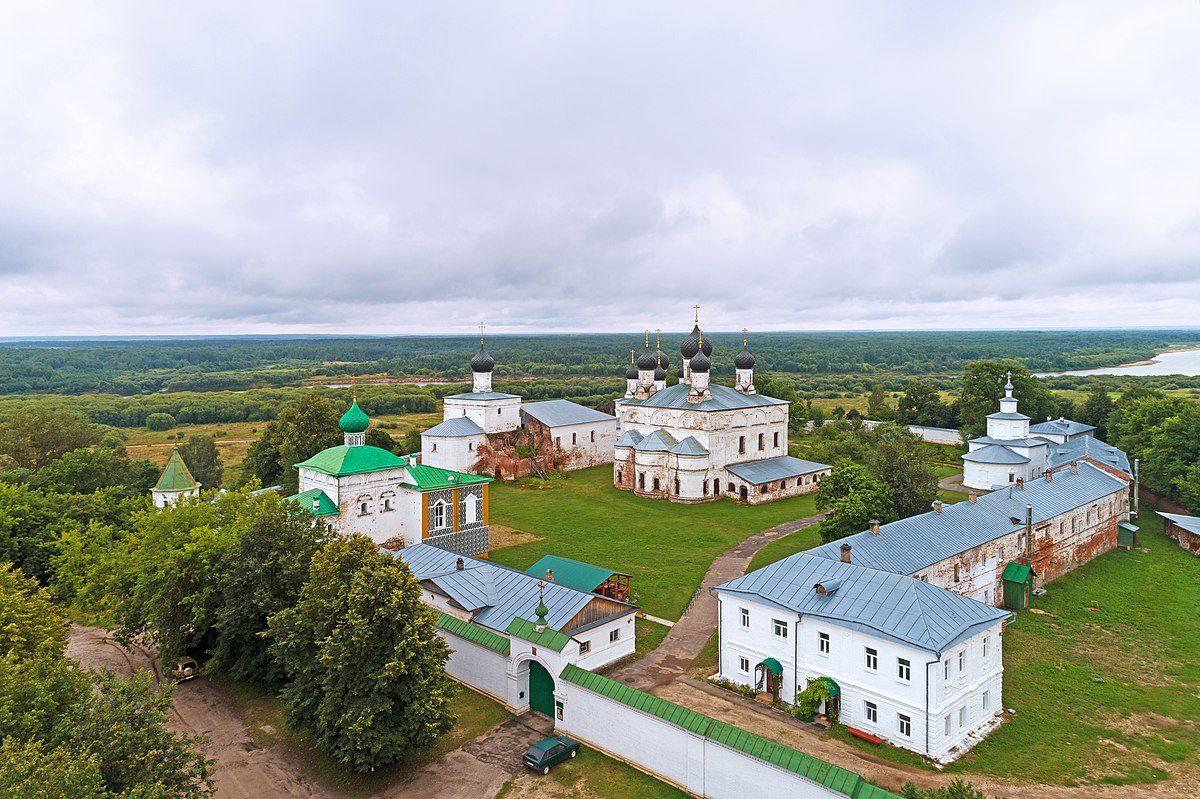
(160, 421)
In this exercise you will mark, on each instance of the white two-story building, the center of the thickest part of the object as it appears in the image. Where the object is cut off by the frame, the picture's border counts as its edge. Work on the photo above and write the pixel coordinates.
(911, 663)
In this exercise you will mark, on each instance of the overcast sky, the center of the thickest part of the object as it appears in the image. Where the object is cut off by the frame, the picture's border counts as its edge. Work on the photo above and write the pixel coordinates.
(415, 167)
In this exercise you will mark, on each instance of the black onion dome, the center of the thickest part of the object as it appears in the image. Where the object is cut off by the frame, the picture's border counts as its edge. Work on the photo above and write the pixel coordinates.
(482, 362)
(679, 374)
(691, 344)
(663, 362)
(700, 361)
(744, 359)
(706, 346)
(631, 373)
(660, 373)
(647, 361)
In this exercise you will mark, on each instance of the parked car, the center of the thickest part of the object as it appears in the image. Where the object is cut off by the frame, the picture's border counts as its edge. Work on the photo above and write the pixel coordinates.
(545, 753)
(185, 669)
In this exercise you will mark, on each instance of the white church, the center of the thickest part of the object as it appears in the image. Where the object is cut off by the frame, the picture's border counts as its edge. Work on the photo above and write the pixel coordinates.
(480, 429)
(698, 441)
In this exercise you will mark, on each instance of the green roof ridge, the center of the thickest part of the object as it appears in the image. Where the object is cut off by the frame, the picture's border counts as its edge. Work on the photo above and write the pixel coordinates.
(549, 637)
(354, 420)
(342, 460)
(474, 633)
(833, 777)
(175, 476)
(429, 478)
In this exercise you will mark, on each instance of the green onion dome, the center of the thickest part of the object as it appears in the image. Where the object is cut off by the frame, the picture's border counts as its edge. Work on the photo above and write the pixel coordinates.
(354, 420)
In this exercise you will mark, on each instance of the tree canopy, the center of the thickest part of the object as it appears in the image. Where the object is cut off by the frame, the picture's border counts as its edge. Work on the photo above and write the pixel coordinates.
(852, 498)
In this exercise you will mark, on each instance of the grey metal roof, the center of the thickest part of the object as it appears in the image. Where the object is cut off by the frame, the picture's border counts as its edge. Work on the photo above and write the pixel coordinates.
(630, 438)
(458, 427)
(994, 453)
(891, 606)
(1062, 427)
(1189, 523)
(1003, 415)
(658, 441)
(781, 468)
(560, 412)
(483, 395)
(689, 446)
(1087, 447)
(1012, 442)
(912, 544)
(724, 398)
(495, 594)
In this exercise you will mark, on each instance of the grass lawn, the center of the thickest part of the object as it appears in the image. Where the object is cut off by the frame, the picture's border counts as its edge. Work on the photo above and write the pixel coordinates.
(262, 713)
(665, 546)
(798, 541)
(590, 774)
(1106, 685)
(648, 635)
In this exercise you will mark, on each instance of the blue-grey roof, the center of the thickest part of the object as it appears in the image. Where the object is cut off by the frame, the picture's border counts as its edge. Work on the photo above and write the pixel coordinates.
(482, 395)
(1189, 523)
(724, 398)
(495, 594)
(559, 412)
(658, 441)
(890, 606)
(457, 427)
(1061, 427)
(912, 544)
(630, 438)
(1011, 416)
(689, 446)
(994, 453)
(1012, 442)
(1087, 447)
(781, 468)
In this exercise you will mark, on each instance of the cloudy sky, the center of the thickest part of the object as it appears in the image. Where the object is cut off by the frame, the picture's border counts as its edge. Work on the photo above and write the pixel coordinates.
(388, 167)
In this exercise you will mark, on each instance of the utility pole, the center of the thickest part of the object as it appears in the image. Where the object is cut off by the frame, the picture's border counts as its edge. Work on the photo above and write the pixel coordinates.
(1029, 555)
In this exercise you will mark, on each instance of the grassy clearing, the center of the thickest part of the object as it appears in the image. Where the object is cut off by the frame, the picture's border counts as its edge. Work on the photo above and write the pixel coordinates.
(648, 635)
(590, 774)
(665, 546)
(1127, 619)
(707, 661)
(262, 714)
(798, 541)
(884, 751)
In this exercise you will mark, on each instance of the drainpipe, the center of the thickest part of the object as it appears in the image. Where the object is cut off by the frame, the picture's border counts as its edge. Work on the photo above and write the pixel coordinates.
(1136, 485)
(796, 656)
(1029, 555)
(927, 665)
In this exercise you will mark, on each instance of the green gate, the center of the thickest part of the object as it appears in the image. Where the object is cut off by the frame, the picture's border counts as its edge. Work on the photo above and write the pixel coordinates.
(541, 689)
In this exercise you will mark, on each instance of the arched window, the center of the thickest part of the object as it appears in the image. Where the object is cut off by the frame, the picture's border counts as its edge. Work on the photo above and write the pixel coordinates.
(470, 509)
(362, 509)
(470, 446)
(619, 475)
(593, 436)
(574, 439)
(433, 447)
(437, 515)
(676, 486)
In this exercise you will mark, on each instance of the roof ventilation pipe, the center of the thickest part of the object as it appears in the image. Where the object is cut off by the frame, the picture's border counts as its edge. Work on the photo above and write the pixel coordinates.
(460, 564)
(937, 506)
(549, 575)
(971, 495)
(1049, 477)
(1074, 467)
(845, 553)
(1020, 483)
(827, 587)
(874, 526)
(316, 505)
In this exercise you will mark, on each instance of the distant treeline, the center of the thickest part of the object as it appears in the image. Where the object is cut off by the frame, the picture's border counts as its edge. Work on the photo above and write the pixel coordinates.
(142, 366)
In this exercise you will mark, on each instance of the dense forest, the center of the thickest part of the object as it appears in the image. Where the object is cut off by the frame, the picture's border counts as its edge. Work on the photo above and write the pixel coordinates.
(855, 360)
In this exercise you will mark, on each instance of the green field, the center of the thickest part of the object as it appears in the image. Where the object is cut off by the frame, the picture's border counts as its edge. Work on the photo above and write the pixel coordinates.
(592, 774)
(665, 546)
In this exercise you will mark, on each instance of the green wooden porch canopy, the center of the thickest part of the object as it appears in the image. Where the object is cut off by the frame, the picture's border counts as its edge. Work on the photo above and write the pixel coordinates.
(773, 665)
(833, 687)
(1017, 573)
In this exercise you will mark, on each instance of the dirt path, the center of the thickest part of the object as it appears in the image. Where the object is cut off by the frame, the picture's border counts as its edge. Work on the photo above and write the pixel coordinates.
(689, 635)
(247, 771)
(954, 483)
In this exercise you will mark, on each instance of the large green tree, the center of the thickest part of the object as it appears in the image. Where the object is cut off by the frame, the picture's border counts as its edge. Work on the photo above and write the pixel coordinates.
(923, 405)
(852, 498)
(1097, 408)
(35, 436)
(84, 471)
(301, 431)
(983, 386)
(364, 657)
(203, 460)
(898, 460)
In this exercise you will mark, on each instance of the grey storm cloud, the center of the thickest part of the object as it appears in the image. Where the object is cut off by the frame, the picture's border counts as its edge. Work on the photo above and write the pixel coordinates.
(392, 168)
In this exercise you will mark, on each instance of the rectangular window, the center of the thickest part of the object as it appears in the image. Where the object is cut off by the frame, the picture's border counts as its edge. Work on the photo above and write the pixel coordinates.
(903, 669)
(745, 617)
(558, 710)
(872, 659)
(985, 647)
(823, 643)
(962, 716)
(585, 647)
(614, 636)
(962, 661)
(779, 627)
(905, 725)
(741, 445)
(872, 712)
(776, 440)
(744, 665)
(987, 699)
(761, 442)
(947, 726)
(946, 669)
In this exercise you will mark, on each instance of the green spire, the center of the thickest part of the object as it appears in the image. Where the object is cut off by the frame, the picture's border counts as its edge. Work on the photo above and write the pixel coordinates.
(354, 420)
(542, 610)
(175, 476)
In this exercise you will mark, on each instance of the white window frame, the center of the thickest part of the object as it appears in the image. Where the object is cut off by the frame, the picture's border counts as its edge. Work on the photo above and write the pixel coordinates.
(823, 644)
(946, 669)
(962, 661)
(904, 725)
(614, 636)
(780, 628)
(585, 647)
(948, 727)
(962, 716)
(987, 700)
(437, 514)
(745, 618)
(872, 661)
(903, 669)
(744, 665)
(986, 654)
(871, 712)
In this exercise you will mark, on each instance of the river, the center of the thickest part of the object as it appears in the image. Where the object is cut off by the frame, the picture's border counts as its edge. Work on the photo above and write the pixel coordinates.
(1184, 362)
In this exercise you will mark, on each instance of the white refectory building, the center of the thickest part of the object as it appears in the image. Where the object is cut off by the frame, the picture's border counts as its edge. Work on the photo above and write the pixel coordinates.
(913, 664)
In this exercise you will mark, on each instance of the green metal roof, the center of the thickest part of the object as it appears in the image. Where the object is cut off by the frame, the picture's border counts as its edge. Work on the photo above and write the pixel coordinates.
(429, 478)
(305, 498)
(773, 665)
(1016, 573)
(571, 573)
(343, 460)
(474, 633)
(175, 476)
(354, 420)
(549, 637)
(833, 777)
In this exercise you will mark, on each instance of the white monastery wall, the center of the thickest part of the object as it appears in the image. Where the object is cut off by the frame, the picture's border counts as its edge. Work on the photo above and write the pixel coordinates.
(600, 646)
(590, 444)
(478, 666)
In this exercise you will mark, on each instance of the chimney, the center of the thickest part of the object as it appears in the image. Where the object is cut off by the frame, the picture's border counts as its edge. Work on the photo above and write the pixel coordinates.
(1049, 477)
(937, 506)
(1074, 467)
(1020, 483)
(874, 526)
(316, 505)
(973, 497)
(460, 564)
(845, 553)
(549, 575)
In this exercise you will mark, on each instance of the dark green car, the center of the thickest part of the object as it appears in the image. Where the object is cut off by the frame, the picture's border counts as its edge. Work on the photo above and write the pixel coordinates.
(545, 753)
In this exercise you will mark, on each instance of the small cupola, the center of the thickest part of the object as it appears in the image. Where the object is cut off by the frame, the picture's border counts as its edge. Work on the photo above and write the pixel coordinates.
(827, 587)
(481, 368)
(354, 423)
(744, 368)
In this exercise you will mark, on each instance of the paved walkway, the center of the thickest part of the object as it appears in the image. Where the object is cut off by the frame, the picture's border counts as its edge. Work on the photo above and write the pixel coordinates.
(954, 483)
(689, 635)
